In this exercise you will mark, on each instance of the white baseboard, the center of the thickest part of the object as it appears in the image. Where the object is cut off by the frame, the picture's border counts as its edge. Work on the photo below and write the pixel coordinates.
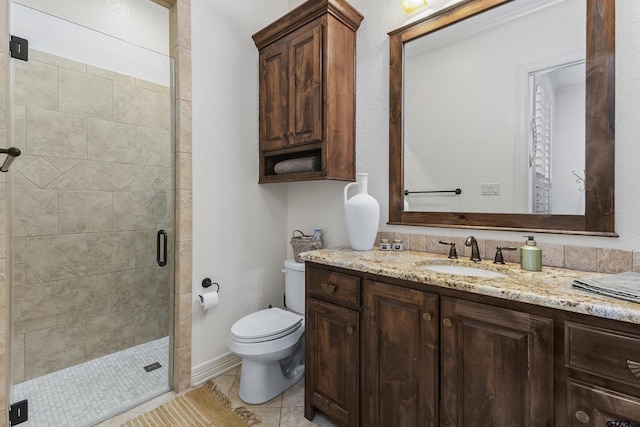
(213, 368)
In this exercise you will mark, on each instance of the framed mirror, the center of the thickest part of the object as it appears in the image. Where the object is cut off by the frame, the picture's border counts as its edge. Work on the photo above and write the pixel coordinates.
(502, 117)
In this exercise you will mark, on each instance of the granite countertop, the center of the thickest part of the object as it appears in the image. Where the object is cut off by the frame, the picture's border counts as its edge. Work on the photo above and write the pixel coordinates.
(549, 288)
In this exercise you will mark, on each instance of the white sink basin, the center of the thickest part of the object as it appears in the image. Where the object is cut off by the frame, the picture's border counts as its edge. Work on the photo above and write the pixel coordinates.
(461, 270)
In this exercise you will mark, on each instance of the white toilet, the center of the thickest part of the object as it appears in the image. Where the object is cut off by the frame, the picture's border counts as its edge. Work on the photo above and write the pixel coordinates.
(271, 343)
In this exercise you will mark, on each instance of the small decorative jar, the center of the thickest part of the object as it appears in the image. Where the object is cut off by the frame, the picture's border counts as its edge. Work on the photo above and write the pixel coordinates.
(385, 245)
(397, 245)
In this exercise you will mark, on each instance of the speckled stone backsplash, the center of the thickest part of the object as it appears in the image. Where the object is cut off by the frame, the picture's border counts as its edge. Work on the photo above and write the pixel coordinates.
(553, 255)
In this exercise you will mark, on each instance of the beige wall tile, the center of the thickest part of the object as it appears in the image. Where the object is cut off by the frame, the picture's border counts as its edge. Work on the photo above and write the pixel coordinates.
(110, 333)
(134, 105)
(4, 351)
(184, 126)
(183, 266)
(84, 173)
(52, 349)
(580, 258)
(58, 61)
(151, 323)
(17, 358)
(182, 318)
(36, 84)
(35, 213)
(84, 94)
(614, 260)
(183, 72)
(184, 203)
(153, 147)
(111, 142)
(418, 242)
(85, 211)
(434, 247)
(184, 171)
(145, 250)
(111, 75)
(55, 257)
(183, 30)
(19, 128)
(35, 306)
(133, 211)
(552, 254)
(165, 115)
(181, 368)
(134, 289)
(109, 252)
(83, 298)
(50, 133)
(40, 172)
(155, 87)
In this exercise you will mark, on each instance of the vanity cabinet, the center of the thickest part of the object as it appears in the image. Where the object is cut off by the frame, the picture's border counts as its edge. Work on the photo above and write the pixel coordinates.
(497, 366)
(400, 342)
(332, 355)
(383, 351)
(307, 91)
(603, 383)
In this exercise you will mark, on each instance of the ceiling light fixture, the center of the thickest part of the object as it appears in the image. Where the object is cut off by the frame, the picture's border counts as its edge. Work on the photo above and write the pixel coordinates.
(412, 5)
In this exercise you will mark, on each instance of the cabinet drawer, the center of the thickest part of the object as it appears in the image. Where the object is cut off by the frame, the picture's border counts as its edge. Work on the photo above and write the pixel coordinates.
(334, 286)
(603, 352)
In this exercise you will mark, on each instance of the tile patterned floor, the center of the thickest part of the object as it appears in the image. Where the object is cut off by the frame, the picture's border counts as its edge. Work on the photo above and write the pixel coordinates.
(285, 410)
(87, 393)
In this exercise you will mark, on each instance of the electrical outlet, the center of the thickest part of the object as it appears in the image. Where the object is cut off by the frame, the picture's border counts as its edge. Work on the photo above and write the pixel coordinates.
(490, 189)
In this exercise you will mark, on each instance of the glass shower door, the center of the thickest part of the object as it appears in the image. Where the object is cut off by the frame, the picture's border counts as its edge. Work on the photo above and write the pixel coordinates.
(91, 222)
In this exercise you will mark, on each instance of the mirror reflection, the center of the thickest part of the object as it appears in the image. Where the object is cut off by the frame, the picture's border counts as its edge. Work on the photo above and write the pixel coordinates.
(495, 106)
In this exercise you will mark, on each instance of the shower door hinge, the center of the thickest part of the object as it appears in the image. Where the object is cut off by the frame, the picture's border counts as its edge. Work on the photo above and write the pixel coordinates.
(19, 412)
(19, 48)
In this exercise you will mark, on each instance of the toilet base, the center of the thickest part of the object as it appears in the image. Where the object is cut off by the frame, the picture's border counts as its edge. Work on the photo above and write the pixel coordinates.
(262, 381)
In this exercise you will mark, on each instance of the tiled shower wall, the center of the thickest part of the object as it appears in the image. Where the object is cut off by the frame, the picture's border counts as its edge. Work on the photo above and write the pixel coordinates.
(89, 193)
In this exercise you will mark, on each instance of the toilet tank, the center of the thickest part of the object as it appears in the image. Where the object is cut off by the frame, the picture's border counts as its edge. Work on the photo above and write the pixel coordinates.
(294, 285)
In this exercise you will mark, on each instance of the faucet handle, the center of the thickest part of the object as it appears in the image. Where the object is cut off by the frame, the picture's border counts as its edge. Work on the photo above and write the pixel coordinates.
(453, 254)
(499, 259)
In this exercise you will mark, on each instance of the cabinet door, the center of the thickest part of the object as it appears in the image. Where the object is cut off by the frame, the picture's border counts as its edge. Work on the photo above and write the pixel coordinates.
(274, 94)
(400, 341)
(497, 366)
(332, 362)
(592, 406)
(305, 85)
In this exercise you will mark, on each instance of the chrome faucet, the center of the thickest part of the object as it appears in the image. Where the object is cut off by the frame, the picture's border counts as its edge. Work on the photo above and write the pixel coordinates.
(475, 252)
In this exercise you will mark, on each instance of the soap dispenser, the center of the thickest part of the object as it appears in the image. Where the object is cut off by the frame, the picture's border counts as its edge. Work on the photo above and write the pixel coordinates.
(530, 256)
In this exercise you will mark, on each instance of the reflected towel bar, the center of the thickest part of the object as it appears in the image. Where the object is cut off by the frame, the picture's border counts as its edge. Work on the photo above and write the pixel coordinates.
(12, 153)
(457, 191)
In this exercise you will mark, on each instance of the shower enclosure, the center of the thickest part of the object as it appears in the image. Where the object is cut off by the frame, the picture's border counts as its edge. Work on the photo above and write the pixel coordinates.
(91, 214)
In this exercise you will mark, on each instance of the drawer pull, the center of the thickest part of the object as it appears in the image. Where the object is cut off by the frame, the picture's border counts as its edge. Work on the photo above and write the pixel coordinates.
(446, 322)
(426, 317)
(350, 330)
(327, 288)
(634, 367)
(582, 416)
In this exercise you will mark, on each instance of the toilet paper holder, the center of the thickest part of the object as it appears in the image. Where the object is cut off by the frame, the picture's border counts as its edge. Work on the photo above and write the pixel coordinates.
(206, 283)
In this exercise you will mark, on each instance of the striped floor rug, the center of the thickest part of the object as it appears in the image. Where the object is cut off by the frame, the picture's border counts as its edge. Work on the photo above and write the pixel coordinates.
(204, 406)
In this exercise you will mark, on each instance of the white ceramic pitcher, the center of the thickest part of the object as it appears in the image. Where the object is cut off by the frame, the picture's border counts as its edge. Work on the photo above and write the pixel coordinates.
(362, 214)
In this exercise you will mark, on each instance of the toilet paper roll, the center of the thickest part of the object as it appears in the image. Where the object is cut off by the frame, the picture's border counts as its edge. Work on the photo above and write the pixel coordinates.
(209, 300)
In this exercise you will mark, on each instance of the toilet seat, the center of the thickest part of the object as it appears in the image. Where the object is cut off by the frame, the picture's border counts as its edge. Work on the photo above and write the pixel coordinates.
(265, 325)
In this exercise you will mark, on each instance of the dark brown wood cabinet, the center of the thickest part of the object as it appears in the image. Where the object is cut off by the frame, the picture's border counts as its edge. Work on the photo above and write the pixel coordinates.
(497, 366)
(401, 351)
(332, 358)
(307, 90)
(603, 387)
(383, 351)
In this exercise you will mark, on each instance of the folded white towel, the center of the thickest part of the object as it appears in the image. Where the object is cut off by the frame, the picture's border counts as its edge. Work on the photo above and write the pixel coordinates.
(299, 165)
(625, 286)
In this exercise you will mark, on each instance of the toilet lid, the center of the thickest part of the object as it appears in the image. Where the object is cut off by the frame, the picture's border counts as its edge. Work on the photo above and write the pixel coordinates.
(264, 325)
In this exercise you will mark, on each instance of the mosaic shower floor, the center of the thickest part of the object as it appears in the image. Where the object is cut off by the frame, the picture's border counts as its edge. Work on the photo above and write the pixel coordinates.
(88, 393)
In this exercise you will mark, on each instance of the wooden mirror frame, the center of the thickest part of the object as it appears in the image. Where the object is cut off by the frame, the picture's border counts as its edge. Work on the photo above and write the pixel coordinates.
(599, 133)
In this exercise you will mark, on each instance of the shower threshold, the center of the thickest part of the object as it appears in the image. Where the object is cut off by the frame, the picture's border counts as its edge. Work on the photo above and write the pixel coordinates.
(91, 392)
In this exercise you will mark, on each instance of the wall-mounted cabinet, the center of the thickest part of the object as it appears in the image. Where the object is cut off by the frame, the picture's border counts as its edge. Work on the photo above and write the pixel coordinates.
(307, 93)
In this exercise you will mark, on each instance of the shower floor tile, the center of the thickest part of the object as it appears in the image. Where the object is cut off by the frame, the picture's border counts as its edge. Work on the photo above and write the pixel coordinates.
(85, 394)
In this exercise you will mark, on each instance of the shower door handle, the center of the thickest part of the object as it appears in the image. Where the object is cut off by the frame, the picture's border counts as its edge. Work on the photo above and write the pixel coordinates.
(161, 255)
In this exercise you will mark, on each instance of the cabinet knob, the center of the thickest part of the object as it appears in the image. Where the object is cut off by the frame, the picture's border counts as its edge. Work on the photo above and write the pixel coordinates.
(446, 322)
(350, 330)
(582, 416)
(327, 288)
(426, 317)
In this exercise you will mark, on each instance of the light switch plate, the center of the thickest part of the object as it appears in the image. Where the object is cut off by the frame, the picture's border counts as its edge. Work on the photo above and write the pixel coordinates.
(490, 189)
